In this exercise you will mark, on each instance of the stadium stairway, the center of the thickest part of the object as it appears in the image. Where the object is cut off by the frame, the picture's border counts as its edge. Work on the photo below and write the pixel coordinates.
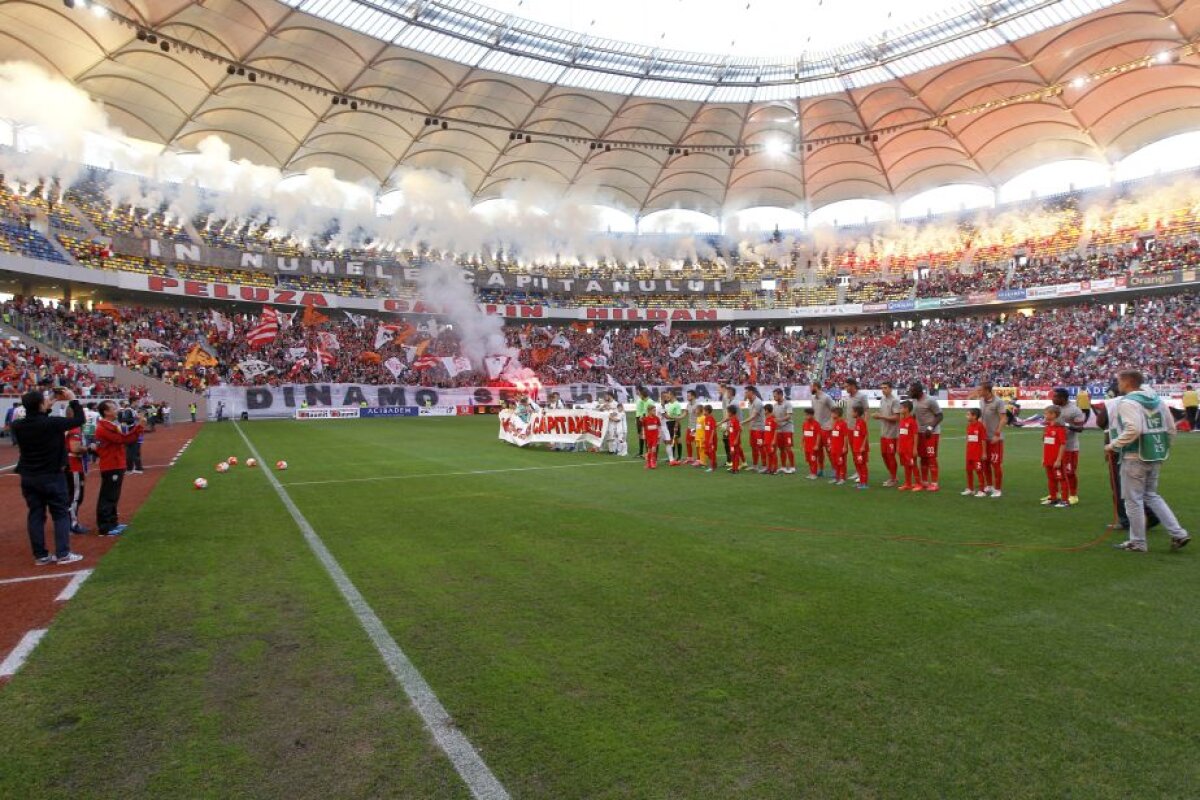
(82, 218)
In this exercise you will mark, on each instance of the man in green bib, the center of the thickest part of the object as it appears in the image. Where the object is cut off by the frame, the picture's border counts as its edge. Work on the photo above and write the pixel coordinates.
(1140, 432)
(640, 407)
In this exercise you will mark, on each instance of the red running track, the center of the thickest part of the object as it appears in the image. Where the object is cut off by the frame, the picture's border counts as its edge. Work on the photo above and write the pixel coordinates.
(30, 605)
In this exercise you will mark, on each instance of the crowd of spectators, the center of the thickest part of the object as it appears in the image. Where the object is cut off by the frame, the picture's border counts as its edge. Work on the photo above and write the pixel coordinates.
(1068, 345)
(1074, 344)
(24, 368)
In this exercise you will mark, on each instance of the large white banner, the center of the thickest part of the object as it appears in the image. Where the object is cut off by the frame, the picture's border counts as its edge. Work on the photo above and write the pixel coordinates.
(283, 401)
(554, 427)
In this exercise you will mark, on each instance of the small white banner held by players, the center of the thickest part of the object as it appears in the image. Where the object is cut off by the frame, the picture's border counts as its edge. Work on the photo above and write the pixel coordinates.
(554, 427)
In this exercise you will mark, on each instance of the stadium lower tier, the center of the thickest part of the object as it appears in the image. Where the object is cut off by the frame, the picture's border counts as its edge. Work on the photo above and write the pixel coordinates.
(200, 347)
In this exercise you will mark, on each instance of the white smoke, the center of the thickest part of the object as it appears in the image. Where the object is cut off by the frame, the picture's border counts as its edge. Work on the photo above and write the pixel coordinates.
(441, 285)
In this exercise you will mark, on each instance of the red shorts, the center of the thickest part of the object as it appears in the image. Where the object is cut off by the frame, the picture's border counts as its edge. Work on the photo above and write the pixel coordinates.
(784, 439)
(768, 440)
(1070, 462)
(652, 441)
(927, 444)
(974, 466)
(887, 446)
(907, 458)
(825, 437)
(756, 439)
(994, 452)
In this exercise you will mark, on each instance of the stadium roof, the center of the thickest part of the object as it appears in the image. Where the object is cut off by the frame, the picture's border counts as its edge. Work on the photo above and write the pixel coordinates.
(977, 95)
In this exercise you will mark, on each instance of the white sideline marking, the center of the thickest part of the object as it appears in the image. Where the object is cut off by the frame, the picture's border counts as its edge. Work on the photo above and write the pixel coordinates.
(16, 659)
(43, 577)
(462, 754)
(449, 474)
(7, 468)
(71, 588)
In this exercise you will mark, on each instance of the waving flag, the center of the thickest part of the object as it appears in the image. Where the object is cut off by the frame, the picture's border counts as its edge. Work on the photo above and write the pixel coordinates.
(455, 365)
(312, 317)
(357, 320)
(198, 357)
(495, 365)
(642, 340)
(726, 332)
(606, 343)
(394, 366)
(328, 340)
(560, 341)
(221, 324)
(252, 367)
(587, 362)
(297, 352)
(664, 328)
(152, 347)
(426, 362)
(265, 331)
(285, 320)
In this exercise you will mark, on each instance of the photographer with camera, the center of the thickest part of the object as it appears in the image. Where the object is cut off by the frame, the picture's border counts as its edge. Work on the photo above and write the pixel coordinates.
(111, 441)
(43, 457)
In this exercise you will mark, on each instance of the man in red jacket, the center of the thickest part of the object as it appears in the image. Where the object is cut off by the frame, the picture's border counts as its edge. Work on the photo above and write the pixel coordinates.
(110, 448)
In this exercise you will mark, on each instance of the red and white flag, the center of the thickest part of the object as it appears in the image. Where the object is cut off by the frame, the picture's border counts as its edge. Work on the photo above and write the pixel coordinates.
(426, 362)
(265, 331)
(495, 365)
(324, 356)
(328, 340)
(587, 362)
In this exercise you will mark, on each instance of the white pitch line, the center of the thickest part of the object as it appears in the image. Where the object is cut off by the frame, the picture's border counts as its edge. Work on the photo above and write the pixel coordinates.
(71, 588)
(450, 474)
(47, 576)
(470, 766)
(7, 468)
(16, 659)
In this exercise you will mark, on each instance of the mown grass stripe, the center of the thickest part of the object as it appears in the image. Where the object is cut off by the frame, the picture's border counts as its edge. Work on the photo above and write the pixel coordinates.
(467, 762)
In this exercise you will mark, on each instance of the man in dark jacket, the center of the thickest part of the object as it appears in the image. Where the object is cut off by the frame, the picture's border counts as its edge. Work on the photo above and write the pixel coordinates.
(43, 457)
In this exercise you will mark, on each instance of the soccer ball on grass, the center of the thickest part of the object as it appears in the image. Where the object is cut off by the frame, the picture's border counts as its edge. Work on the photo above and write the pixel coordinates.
(281, 465)
(232, 461)
(251, 462)
(200, 483)
(223, 467)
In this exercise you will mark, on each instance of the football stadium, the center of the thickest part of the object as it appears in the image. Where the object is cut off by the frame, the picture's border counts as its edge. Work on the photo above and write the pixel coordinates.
(528, 399)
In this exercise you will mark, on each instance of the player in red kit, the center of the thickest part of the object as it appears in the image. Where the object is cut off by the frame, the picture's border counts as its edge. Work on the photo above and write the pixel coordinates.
(860, 445)
(977, 438)
(1054, 447)
(770, 429)
(651, 427)
(906, 447)
(839, 439)
(810, 433)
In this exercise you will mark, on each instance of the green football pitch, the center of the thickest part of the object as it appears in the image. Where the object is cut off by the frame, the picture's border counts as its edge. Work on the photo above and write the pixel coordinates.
(600, 631)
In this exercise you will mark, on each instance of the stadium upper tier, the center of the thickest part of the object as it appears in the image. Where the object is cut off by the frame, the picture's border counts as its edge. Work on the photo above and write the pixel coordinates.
(370, 90)
(1134, 229)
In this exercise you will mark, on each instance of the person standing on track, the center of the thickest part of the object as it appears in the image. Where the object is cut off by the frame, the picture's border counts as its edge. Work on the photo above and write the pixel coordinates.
(1071, 417)
(110, 448)
(992, 410)
(785, 433)
(1141, 432)
(929, 418)
(822, 405)
(889, 429)
(41, 439)
(76, 475)
(755, 421)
